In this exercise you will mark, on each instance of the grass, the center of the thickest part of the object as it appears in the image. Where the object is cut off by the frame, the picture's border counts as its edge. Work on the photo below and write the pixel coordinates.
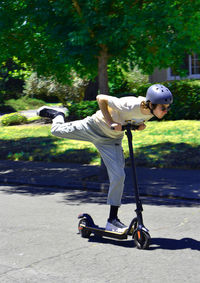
(23, 103)
(170, 144)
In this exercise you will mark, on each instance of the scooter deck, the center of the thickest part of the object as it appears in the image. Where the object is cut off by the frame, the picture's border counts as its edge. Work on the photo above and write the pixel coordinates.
(104, 233)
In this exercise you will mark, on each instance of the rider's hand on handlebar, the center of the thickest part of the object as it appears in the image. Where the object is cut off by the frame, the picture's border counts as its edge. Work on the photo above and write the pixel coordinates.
(116, 126)
(141, 127)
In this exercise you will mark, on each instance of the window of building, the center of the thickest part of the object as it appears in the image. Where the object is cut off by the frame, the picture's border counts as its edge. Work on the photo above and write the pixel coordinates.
(192, 64)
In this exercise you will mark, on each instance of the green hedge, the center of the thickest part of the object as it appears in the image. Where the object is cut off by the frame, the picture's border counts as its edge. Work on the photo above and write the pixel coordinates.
(13, 119)
(186, 105)
(82, 109)
(186, 95)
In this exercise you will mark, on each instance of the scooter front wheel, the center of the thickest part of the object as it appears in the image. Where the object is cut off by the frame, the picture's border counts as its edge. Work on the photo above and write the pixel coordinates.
(141, 239)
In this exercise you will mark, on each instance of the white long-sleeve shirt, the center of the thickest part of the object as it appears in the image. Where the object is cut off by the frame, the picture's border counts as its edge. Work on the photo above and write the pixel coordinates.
(122, 110)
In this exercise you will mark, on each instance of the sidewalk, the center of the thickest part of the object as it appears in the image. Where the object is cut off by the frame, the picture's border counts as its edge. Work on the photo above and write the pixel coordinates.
(172, 183)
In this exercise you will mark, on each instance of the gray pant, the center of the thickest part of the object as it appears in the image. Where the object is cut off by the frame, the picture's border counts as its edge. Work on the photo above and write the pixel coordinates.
(110, 150)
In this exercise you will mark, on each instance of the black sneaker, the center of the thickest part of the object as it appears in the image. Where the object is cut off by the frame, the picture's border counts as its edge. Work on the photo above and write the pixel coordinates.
(50, 112)
(115, 225)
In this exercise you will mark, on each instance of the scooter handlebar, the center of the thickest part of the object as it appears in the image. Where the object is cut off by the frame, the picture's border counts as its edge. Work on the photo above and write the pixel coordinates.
(130, 126)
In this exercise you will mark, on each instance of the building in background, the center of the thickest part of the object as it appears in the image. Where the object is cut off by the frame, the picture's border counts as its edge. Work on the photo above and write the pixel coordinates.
(191, 64)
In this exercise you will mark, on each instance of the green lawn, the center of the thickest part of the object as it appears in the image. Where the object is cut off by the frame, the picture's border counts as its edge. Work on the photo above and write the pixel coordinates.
(172, 144)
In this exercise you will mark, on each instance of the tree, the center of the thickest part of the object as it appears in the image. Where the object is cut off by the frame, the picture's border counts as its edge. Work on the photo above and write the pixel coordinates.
(55, 37)
(12, 75)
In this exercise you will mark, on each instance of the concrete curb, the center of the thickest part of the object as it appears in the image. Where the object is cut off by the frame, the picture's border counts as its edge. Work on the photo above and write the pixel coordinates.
(162, 183)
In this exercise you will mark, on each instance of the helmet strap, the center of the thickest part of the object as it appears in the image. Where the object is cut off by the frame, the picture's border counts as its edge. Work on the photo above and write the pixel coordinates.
(151, 109)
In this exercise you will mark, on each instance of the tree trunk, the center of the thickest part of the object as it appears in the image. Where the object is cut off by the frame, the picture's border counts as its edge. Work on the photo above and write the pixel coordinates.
(91, 90)
(103, 88)
(102, 70)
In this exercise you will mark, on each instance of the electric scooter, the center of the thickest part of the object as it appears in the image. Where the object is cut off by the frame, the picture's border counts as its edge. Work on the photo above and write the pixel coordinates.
(136, 229)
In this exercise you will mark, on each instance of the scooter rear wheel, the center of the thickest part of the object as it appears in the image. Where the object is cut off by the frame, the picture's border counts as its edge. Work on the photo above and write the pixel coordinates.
(82, 230)
(141, 239)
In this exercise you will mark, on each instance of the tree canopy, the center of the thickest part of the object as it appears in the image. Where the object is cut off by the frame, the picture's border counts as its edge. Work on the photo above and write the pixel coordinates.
(55, 37)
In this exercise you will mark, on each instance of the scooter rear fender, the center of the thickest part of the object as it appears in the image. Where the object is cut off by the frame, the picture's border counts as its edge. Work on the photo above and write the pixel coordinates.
(88, 217)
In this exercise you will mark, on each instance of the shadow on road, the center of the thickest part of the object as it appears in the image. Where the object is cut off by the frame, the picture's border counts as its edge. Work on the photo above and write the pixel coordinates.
(79, 197)
(156, 243)
(172, 244)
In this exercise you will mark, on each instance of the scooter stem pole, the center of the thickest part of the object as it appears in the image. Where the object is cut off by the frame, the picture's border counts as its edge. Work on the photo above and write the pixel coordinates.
(139, 208)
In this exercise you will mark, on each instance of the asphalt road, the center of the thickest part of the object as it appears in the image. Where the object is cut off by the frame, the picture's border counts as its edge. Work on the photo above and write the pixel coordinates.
(39, 240)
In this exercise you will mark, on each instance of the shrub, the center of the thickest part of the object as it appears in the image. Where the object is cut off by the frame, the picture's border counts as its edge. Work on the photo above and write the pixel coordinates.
(50, 90)
(186, 102)
(82, 109)
(1, 96)
(13, 119)
(4, 109)
(12, 74)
